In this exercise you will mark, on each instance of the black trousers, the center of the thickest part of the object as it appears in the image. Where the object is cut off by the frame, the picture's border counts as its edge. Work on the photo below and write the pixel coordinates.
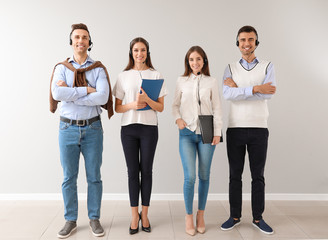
(255, 141)
(139, 144)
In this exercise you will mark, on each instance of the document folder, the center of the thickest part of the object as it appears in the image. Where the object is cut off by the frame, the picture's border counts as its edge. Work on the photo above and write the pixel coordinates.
(207, 129)
(152, 87)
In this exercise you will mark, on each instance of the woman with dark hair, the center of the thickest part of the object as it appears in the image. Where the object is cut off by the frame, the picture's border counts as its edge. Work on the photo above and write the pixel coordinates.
(139, 132)
(197, 93)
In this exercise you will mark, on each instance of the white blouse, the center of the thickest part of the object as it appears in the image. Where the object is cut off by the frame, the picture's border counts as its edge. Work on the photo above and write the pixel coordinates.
(126, 88)
(186, 106)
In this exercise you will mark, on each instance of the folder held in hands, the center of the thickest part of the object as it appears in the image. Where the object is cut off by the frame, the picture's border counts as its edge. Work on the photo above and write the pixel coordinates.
(152, 87)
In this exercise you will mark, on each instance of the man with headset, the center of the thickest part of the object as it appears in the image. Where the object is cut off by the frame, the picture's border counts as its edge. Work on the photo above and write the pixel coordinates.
(248, 84)
(82, 85)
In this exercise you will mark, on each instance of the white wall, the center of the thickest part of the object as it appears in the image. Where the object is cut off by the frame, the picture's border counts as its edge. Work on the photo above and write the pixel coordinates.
(34, 37)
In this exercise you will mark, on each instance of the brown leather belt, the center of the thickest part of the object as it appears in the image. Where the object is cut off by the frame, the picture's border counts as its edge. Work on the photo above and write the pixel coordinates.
(80, 123)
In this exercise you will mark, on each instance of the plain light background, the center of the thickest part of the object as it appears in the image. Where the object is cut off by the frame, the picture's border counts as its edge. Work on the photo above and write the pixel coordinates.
(35, 36)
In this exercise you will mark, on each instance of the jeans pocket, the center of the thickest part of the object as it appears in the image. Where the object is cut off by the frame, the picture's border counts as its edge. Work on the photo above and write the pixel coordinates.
(185, 132)
(63, 125)
(96, 125)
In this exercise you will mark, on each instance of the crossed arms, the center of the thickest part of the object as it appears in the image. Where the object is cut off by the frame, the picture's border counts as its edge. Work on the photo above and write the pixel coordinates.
(259, 92)
(88, 96)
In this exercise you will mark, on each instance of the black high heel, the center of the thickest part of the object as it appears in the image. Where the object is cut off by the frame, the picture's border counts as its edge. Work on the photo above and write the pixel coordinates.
(134, 231)
(145, 229)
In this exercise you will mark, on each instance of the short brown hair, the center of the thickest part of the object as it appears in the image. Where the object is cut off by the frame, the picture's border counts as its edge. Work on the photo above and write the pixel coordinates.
(79, 26)
(205, 70)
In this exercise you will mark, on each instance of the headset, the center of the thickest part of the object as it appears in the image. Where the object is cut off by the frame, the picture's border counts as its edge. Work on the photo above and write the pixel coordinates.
(205, 60)
(256, 41)
(147, 47)
(90, 42)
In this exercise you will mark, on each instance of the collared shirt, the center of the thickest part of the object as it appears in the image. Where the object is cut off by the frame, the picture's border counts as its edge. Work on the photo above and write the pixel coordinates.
(231, 93)
(76, 103)
(186, 104)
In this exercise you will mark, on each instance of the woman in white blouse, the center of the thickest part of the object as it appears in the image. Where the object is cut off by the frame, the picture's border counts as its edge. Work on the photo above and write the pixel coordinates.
(197, 93)
(139, 132)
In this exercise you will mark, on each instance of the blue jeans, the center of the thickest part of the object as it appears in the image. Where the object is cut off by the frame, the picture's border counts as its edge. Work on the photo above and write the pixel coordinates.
(87, 140)
(190, 144)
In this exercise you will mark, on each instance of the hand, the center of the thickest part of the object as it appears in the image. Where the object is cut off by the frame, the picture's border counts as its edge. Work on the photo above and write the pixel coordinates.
(61, 83)
(216, 140)
(91, 90)
(138, 105)
(142, 97)
(181, 123)
(266, 88)
(229, 82)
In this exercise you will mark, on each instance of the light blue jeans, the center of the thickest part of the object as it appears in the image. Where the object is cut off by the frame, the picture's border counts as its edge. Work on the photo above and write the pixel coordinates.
(87, 140)
(191, 144)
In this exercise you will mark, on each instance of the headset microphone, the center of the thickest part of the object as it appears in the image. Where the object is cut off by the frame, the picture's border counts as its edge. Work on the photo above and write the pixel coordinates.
(90, 47)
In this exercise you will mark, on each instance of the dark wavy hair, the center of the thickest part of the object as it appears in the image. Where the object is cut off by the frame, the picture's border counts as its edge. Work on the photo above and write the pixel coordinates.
(205, 70)
(131, 60)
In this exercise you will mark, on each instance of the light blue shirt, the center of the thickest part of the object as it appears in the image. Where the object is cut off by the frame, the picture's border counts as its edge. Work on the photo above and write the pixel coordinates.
(238, 93)
(76, 104)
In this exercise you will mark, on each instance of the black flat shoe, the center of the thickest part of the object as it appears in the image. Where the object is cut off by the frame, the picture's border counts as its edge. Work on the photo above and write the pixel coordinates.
(145, 229)
(134, 231)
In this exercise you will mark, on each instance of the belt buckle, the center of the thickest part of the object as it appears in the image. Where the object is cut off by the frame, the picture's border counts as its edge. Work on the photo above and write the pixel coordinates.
(80, 123)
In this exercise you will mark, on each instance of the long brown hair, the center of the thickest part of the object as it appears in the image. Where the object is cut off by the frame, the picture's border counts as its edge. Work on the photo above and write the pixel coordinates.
(205, 70)
(131, 60)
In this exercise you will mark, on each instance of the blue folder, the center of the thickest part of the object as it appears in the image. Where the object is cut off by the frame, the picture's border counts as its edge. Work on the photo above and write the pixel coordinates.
(152, 87)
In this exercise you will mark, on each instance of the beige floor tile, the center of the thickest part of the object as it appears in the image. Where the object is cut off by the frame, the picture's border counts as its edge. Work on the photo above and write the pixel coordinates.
(313, 226)
(291, 203)
(24, 226)
(304, 210)
(37, 208)
(123, 209)
(283, 228)
(177, 208)
(215, 209)
(18, 238)
(5, 208)
(159, 208)
(257, 238)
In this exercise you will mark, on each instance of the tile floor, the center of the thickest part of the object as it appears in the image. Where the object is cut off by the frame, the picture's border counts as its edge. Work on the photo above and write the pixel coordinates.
(291, 220)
